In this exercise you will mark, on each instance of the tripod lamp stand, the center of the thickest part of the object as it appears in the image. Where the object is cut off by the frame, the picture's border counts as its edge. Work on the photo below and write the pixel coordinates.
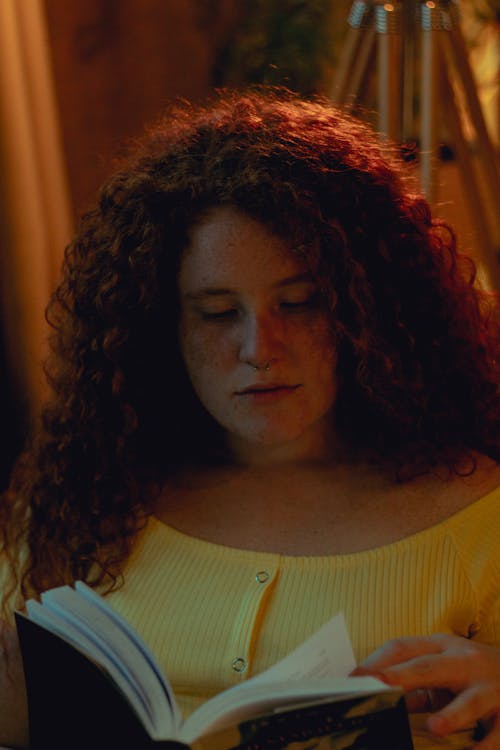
(390, 31)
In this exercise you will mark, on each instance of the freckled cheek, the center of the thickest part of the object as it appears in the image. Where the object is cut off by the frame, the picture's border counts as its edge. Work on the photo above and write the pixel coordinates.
(322, 359)
(205, 358)
(319, 343)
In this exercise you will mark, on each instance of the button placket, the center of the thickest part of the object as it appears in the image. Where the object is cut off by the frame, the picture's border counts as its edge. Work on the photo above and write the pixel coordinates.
(246, 628)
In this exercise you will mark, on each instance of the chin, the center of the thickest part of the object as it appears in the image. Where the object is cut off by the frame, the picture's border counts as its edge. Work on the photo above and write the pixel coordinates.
(268, 438)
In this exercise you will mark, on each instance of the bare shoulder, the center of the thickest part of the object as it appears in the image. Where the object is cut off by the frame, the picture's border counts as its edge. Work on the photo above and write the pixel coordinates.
(467, 488)
(439, 495)
(14, 712)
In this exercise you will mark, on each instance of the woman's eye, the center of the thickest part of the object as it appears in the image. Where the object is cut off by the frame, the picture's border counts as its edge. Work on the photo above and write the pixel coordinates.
(218, 314)
(299, 304)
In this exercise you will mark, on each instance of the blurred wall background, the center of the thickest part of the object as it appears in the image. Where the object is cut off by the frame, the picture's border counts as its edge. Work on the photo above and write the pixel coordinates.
(80, 79)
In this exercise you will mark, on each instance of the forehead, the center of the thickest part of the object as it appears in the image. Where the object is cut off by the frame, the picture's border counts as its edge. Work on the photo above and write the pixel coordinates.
(228, 247)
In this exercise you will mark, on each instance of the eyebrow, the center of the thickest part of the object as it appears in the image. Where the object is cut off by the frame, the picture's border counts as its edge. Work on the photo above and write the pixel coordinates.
(211, 291)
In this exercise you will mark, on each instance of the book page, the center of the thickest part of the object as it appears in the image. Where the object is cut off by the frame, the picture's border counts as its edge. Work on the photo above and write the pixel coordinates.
(327, 653)
(95, 599)
(117, 646)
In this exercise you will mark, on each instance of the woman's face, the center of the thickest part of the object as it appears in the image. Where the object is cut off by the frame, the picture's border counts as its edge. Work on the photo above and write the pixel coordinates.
(255, 339)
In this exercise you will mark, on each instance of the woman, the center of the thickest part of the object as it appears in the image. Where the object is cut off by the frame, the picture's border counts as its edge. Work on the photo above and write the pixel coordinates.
(275, 396)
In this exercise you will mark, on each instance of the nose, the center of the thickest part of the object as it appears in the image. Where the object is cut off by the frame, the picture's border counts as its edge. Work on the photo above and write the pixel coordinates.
(261, 340)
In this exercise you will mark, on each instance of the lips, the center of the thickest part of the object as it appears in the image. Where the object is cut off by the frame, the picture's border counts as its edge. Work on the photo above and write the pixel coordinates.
(270, 393)
(266, 388)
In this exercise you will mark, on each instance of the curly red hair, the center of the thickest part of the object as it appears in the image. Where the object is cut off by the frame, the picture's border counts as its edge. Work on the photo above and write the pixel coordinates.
(417, 340)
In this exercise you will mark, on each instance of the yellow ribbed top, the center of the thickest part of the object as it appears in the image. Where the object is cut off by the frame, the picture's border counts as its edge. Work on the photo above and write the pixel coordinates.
(215, 615)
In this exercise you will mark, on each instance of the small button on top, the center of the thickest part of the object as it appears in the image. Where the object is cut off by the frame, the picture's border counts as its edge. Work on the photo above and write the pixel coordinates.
(239, 664)
(262, 576)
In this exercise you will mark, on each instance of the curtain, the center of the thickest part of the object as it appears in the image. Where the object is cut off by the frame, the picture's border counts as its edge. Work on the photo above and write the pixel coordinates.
(35, 211)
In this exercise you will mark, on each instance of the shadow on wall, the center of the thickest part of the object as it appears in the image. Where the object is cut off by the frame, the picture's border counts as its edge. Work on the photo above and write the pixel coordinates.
(12, 432)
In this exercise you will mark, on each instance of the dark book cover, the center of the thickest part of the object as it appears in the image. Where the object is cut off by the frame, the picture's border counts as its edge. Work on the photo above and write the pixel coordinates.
(72, 703)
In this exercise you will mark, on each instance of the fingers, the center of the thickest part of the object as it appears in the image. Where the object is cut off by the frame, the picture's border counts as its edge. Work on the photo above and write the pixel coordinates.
(453, 678)
(425, 700)
(464, 710)
(434, 671)
(438, 661)
(400, 650)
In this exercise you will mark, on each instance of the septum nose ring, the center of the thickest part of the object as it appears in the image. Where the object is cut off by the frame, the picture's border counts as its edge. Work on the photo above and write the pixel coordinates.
(266, 366)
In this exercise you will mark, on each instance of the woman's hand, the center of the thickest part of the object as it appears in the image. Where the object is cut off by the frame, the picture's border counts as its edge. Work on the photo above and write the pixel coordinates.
(456, 678)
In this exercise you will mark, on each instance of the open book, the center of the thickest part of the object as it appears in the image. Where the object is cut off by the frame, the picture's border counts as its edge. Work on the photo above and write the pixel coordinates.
(92, 682)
